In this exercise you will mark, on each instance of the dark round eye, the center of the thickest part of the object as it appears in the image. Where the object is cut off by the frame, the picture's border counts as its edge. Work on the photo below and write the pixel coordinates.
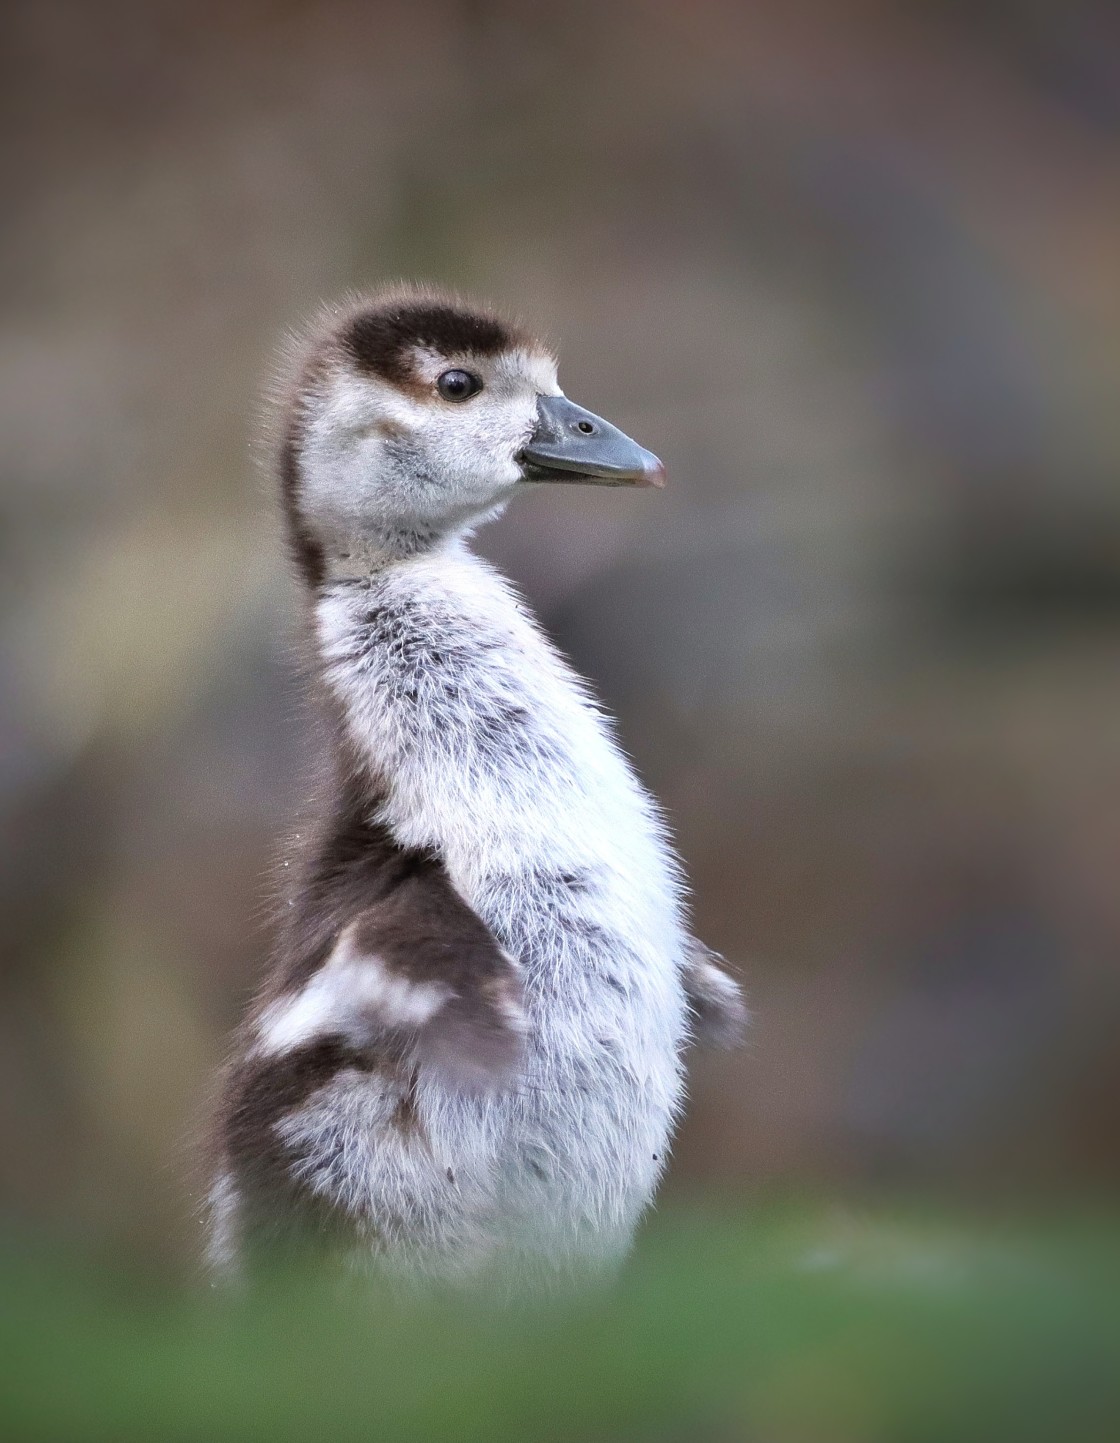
(458, 385)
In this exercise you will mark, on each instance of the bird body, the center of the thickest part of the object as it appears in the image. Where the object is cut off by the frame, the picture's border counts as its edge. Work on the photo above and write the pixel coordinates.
(466, 1060)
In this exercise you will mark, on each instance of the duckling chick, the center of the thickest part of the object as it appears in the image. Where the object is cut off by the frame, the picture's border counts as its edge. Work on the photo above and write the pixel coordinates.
(466, 1058)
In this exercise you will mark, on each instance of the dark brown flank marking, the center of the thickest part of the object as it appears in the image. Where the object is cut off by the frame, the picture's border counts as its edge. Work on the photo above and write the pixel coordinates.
(277, 1209)
(399, 904)
(405, 912)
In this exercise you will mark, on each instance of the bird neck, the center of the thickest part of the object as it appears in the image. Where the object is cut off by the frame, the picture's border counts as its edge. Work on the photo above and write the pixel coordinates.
(365, 556)
(358, 558)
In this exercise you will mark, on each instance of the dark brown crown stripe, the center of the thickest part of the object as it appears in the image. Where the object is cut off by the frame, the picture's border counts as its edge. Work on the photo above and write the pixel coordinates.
(380, 339)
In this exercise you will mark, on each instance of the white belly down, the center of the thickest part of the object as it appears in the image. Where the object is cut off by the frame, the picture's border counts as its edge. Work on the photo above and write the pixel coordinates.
(549, 1176)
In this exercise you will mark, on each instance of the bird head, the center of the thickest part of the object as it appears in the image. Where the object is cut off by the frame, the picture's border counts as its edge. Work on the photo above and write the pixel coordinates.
(412, 416)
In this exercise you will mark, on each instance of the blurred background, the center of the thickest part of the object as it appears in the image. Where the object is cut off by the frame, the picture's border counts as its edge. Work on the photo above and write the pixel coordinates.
(851, 269)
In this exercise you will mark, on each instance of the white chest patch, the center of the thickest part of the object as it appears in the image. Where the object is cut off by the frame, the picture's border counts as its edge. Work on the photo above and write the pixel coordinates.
(352, 995)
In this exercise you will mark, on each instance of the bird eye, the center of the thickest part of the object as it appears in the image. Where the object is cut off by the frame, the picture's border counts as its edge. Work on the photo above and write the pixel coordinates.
(458, 385)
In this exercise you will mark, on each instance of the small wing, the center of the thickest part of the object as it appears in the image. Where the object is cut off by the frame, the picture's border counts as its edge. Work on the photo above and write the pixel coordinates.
(715, 999)
(417, 974)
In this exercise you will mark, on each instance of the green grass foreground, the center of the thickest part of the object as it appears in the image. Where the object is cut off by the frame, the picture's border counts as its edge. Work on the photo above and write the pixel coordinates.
(838, 1326)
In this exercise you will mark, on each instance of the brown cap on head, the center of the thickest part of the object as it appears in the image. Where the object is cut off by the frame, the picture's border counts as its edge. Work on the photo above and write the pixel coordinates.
(380, 336)
(376, 334)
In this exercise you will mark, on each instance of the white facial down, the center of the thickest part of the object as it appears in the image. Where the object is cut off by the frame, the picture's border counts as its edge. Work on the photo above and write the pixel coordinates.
(378, 459)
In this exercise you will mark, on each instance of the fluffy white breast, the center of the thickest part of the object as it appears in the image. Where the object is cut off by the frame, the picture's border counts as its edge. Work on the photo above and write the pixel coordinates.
(490, 747)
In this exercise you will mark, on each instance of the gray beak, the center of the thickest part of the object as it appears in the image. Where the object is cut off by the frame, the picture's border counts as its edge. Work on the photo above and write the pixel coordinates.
(573, 445)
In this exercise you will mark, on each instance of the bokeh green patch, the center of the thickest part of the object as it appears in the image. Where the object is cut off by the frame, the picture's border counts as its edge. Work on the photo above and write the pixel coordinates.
(786, 1324)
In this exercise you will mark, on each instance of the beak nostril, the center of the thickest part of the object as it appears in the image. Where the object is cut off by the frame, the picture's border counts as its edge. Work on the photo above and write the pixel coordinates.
(571, 444)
